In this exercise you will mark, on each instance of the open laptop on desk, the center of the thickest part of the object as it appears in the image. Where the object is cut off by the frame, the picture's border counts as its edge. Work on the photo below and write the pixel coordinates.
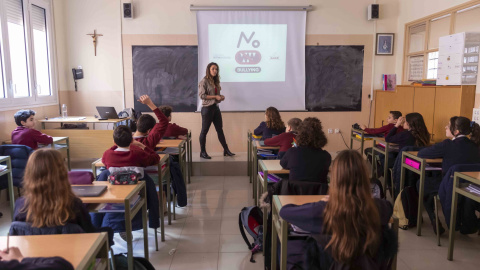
(107, 112)
(88, 191)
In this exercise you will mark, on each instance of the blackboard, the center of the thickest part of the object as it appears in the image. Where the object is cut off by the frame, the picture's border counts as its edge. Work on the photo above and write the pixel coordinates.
(334, 76)
(168, 74)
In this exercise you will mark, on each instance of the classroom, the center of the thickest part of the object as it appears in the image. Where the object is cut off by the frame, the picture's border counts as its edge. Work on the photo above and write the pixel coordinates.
(266, 134)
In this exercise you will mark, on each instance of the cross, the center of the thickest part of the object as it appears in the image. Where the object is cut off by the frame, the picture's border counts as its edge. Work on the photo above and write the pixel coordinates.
(94, 36)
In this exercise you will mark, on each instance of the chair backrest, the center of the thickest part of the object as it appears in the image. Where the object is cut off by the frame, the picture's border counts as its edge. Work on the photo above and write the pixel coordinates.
(80, 177)
(25, 228)
(19, 155)
(286, 187)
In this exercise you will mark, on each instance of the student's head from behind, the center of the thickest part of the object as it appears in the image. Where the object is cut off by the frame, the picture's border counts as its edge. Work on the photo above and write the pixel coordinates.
(48, 195)
(122, 136)
(415, 123)
(213, 73)
(167, 111)
(310, 133)
(25, 118)
(393, 117)
(293, 124)
(145, 123)
(273, 118)
(351, 216)
(459, 125)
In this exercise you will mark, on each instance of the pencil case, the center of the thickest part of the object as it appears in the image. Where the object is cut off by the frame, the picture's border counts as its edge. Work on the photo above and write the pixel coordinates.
(412, 163)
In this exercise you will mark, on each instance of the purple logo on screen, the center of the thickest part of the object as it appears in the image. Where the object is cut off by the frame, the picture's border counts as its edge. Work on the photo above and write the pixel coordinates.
(248, 57)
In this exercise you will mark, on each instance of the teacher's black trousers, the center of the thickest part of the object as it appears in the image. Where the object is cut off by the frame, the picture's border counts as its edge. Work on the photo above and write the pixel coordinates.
(212, 114)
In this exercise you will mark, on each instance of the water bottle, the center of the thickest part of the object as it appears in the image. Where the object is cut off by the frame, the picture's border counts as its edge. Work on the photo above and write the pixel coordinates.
(64, 111)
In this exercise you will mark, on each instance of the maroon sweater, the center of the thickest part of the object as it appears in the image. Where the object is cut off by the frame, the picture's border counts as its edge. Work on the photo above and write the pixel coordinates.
(283, 140)
(135, 157)
(384, 130)
(174, 130)
(30, 137)
(157, 132)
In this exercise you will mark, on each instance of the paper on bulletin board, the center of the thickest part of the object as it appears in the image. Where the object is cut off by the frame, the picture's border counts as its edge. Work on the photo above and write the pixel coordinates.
(415, 67)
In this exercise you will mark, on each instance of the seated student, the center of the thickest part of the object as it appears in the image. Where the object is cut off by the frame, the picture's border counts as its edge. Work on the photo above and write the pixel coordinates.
(273, 124)
(25, 133)
(285, 139)
(14, 260)
(173, 130)
(308, 161)
(149, 132)
(415, 132)
(48, 199)
(457, 149)
(391, 121)
(350, 215)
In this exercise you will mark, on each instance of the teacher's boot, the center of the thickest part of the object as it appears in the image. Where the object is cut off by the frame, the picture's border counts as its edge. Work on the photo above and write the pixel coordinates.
(226, 152)
(204, 155)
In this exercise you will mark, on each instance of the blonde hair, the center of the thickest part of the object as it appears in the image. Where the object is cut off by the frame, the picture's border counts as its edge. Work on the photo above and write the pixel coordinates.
(48, 194)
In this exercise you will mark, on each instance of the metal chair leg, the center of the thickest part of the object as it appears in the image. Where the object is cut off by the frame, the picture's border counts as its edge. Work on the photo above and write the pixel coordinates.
(113, 258)
(437, 221)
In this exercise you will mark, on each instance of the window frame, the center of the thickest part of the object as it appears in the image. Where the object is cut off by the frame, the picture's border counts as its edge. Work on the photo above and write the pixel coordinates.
(34, 100)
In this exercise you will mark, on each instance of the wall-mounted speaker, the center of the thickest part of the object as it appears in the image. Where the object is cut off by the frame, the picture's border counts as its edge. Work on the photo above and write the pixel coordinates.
(127, 11)
(373, 12)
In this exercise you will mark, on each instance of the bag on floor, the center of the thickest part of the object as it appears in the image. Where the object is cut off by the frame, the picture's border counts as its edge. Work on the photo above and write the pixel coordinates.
(121, 263)
(250, 219)
(406, 208)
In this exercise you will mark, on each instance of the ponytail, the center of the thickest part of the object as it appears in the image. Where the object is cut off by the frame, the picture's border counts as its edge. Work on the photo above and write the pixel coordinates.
(465, 127)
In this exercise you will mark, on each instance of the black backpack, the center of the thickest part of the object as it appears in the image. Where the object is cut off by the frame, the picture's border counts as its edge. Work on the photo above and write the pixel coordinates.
(406, 208)
(121, 263)
(250, 219)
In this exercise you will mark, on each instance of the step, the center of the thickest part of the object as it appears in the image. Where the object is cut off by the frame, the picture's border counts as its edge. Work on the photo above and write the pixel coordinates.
(219, 165)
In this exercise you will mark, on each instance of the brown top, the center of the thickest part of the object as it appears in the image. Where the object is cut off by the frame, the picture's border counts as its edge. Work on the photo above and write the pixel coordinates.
(299, 199)
(205, 88)
(273, 166)
(72, 247)
(114, 193)
(88, 119)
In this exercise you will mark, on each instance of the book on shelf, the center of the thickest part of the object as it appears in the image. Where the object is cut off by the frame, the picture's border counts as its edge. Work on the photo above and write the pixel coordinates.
(389, 82)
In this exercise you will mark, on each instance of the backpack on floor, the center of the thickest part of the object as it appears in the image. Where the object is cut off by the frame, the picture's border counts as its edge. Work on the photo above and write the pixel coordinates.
(250, 219)
(406, 208)
(121, 263)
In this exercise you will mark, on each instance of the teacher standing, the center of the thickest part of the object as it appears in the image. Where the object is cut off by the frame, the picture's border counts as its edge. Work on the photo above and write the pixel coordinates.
(209, 92)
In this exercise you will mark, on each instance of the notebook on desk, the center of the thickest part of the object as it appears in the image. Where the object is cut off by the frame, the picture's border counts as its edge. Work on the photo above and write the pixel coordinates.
(88, 191)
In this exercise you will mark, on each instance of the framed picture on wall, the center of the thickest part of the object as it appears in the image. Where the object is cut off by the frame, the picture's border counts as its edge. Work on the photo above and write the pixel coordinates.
(384, 44)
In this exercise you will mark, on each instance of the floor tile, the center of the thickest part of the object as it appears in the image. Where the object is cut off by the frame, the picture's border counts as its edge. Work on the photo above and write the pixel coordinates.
(197, 261)
(198, 243)
(232, 243)
(205, 213)
(203, 202)
(237, 203)
(230, 226)
(240, 261)
(202, 227)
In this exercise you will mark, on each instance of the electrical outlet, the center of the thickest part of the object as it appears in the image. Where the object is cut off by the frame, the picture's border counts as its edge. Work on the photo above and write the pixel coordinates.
(476, 115)
(337, 130)
(330, 131)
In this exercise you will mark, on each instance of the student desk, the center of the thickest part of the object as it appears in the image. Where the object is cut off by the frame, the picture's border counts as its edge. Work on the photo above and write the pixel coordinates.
(81, 250)
(164, 159)
(378, 148)
(353, 137)
(86, 120)
(8, 172)
(56, 145)
(421, 172)
(267, 167)
(124, 194)
(249, 155)
(470, 178)
(255, 147)
(181, 145)
(189, 155)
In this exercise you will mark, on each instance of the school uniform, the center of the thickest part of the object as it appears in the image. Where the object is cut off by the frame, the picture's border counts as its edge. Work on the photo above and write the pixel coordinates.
(382, 130)
(404, 138)
(307, 164)
(283, 140)
(132, 158)
(156, 134)
(174, 130)
(30, 137)
(37, 263)
(267, 132)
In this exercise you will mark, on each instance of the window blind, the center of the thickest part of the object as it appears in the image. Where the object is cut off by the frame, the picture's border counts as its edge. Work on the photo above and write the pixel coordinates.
(38, 18)
(15, 11)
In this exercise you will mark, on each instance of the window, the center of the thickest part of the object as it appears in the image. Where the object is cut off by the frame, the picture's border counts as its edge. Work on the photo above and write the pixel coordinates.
(27, 64)
(432, 65)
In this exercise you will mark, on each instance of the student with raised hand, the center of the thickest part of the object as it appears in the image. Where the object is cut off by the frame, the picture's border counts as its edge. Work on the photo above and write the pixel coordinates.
(415, 132)
(273, 124)
(285, 140)
(14, 260)
(308, 161)
(352, 219)
(173, 130)
(25, 133)
(149, 132)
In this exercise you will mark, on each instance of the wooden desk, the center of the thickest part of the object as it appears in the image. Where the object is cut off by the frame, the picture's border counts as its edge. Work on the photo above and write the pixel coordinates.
(81, 250)
(421, 172)
(124, 194)
(182, 154)
(389, 147)
(249, 155)
(469, 177)
(165, 174)
(255, 147)
(353, 137)
(87, 120)
(8, 172)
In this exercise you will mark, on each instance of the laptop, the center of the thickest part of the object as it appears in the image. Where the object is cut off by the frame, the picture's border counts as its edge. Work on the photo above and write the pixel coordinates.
(88, 191)
(107, 112)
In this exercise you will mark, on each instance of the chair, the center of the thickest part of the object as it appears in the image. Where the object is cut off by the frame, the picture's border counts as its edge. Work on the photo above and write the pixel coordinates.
(286, 187)
(19, 155)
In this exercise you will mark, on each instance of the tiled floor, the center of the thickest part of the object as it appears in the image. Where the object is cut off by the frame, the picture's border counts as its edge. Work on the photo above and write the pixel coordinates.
(206, 235)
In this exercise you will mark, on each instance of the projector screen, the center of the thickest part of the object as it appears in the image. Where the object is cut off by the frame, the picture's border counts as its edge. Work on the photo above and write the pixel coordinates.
(260, 54)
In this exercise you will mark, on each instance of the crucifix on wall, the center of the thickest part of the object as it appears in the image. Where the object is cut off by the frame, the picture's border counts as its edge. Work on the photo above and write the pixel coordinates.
(94, 36)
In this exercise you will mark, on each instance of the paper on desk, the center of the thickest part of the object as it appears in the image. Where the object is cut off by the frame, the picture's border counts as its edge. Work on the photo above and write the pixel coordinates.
(3, 168)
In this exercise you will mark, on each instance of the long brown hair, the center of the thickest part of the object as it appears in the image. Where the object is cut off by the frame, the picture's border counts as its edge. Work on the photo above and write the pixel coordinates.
(213, 80)
(48, 195)
(418, 129)
(351, 216)
(310, 133)
(274, 120)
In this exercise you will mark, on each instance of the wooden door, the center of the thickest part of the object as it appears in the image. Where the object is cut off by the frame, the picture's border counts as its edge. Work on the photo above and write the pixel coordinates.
(424, 104)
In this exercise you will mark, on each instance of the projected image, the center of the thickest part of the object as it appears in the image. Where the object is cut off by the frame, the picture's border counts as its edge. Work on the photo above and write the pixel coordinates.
(249, 52)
